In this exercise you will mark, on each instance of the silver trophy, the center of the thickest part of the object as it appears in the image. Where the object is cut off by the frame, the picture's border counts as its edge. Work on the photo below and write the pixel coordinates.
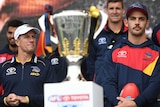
(72, 28)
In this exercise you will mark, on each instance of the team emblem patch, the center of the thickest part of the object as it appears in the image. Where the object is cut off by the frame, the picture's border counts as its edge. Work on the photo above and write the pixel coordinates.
(102, 40)
(148, 55)
(122, 53)
(54, 61)
(11, 71)
(35, 71)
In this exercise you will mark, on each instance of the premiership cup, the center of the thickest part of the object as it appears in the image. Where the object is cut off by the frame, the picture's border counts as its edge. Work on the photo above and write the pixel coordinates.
(72, 28)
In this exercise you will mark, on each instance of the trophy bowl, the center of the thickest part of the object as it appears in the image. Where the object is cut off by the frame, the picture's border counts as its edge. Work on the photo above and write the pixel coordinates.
(72, 28)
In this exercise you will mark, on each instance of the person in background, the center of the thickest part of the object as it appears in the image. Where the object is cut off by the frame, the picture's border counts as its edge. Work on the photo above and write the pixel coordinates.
(156, 35)
(24, 76)
(113, 33)
(156, 39)
(10, 49)
(59, 64)
(48, 49)
(135, 60)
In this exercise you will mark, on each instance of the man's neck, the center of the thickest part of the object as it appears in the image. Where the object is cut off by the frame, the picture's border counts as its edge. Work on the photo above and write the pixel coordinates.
(23, 57)
(137, 40)
(115, 27)
(13, 49)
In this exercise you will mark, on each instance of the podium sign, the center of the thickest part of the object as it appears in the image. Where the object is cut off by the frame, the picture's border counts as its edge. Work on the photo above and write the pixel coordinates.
(73, 94)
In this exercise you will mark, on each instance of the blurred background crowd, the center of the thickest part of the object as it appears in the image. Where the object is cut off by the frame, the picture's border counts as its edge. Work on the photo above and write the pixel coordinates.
(29, 11)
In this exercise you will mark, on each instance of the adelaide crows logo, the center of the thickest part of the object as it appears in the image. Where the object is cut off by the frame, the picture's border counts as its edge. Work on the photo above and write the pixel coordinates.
(147, 56)
(35, 71)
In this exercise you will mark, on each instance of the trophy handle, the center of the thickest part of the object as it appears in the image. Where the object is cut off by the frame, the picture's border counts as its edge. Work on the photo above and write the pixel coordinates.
(104, 17)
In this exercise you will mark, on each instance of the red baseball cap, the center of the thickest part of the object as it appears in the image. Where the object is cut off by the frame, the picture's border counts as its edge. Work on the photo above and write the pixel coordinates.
(137, 6)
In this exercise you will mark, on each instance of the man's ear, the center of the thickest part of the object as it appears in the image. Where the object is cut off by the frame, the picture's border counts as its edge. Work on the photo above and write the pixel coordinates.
(125, 22)
(148, 22)
(17, 42)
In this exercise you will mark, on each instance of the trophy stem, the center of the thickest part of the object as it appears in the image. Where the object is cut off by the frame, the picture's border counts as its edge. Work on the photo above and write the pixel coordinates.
(74, 68)
(74, 73)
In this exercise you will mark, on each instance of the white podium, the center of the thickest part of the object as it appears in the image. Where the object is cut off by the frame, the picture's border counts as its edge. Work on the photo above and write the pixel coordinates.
(73, 94)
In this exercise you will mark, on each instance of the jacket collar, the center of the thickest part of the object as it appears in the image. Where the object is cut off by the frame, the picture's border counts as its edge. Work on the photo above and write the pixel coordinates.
(33, 59)
(123, 28)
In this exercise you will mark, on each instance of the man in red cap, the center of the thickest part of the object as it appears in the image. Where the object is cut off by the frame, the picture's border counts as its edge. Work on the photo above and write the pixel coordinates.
(135, 60)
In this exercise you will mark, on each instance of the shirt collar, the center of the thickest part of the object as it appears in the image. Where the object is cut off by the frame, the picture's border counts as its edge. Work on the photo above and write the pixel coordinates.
(123, 28)
(32, 60)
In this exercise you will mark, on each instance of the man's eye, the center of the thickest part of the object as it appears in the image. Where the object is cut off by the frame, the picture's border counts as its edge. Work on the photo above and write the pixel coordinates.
(34, 36)
(142, 19)
(132, 18)
(10, 32)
